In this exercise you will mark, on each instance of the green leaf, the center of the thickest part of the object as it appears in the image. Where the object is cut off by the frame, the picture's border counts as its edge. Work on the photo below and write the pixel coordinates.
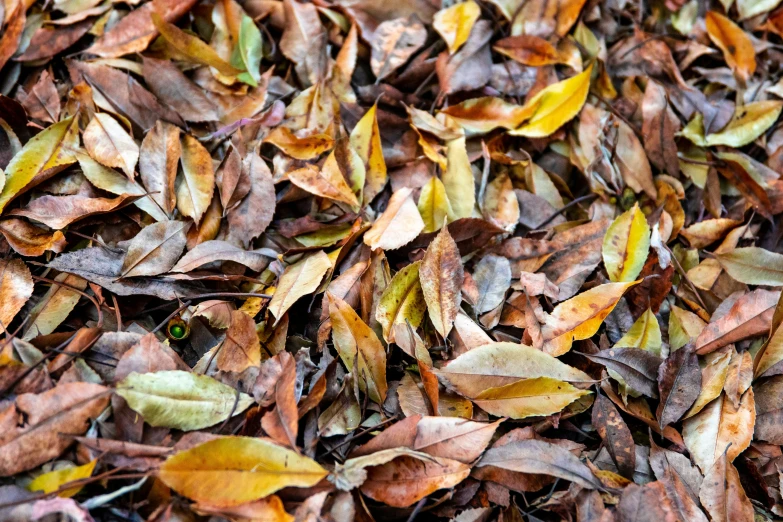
(248, 51)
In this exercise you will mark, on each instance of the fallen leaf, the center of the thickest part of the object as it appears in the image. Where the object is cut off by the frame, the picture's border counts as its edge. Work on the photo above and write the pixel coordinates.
(43, 420)
(109, 144)
(200, 473)
(399, 224)
(441, 275)
(736, 45)
(155, 249)
(181, 400)
(298, 280)
(359, 348)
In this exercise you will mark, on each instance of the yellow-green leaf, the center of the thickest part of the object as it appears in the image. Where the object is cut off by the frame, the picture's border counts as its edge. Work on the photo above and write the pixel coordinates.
(358, 346)
(528, 398)
(366, 140)
(54, 480)
(181, 400)
(555, 106)
(43, 156)
(434, 205)
(402, 301)
(645, 334)
(494, 365)
(454, 23)
(580, 317)
(234, 470)
(684, 327)
(247, 53)
(458, 180)
(626, 245)
(748, 123)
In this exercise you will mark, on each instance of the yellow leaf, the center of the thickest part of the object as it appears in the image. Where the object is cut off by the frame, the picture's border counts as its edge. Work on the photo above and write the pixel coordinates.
(181, 400)
(42, 157)
(749, 122)
(626, 245)
(555, 106)
(580, 317)
(366, 140)
(402, 301)
(458, 180)
(298, 280)
(358, 345)
(198, 51)
(434, 205)
(645, 334)
(54, 480)
(737, 46)
(684, 327)
(497, 364)
(528, 398)
(234, 470)
(399, 224)
(454, 23)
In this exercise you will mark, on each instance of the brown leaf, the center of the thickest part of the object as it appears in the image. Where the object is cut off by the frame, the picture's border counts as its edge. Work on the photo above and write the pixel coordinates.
(241, 349)
(679, 384)
(58, 212)
(29, 240)
(659, 126)
(136, 31)
(282, 422)
(722, 494)
(536, 456)
(615, 433)
(471, 66)
(36, 427)
(43, 100)
(637, 367)
(155, 249)
(441, 276)
(751, 315)
(394, 42)
(647, 503)
(252, 215)
(50, 41)
(173, 88)
(159, 156)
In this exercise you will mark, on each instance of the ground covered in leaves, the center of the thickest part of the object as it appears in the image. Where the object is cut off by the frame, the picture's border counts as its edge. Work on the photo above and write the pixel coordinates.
(340, 260)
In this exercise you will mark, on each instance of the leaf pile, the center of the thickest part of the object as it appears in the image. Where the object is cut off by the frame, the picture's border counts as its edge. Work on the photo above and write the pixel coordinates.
(299, 260)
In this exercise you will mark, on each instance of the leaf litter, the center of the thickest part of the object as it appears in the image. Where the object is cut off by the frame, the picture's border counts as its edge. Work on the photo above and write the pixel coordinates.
(293, 260)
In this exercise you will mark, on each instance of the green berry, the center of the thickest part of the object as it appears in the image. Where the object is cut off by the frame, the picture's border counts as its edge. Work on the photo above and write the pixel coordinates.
(177, 331)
